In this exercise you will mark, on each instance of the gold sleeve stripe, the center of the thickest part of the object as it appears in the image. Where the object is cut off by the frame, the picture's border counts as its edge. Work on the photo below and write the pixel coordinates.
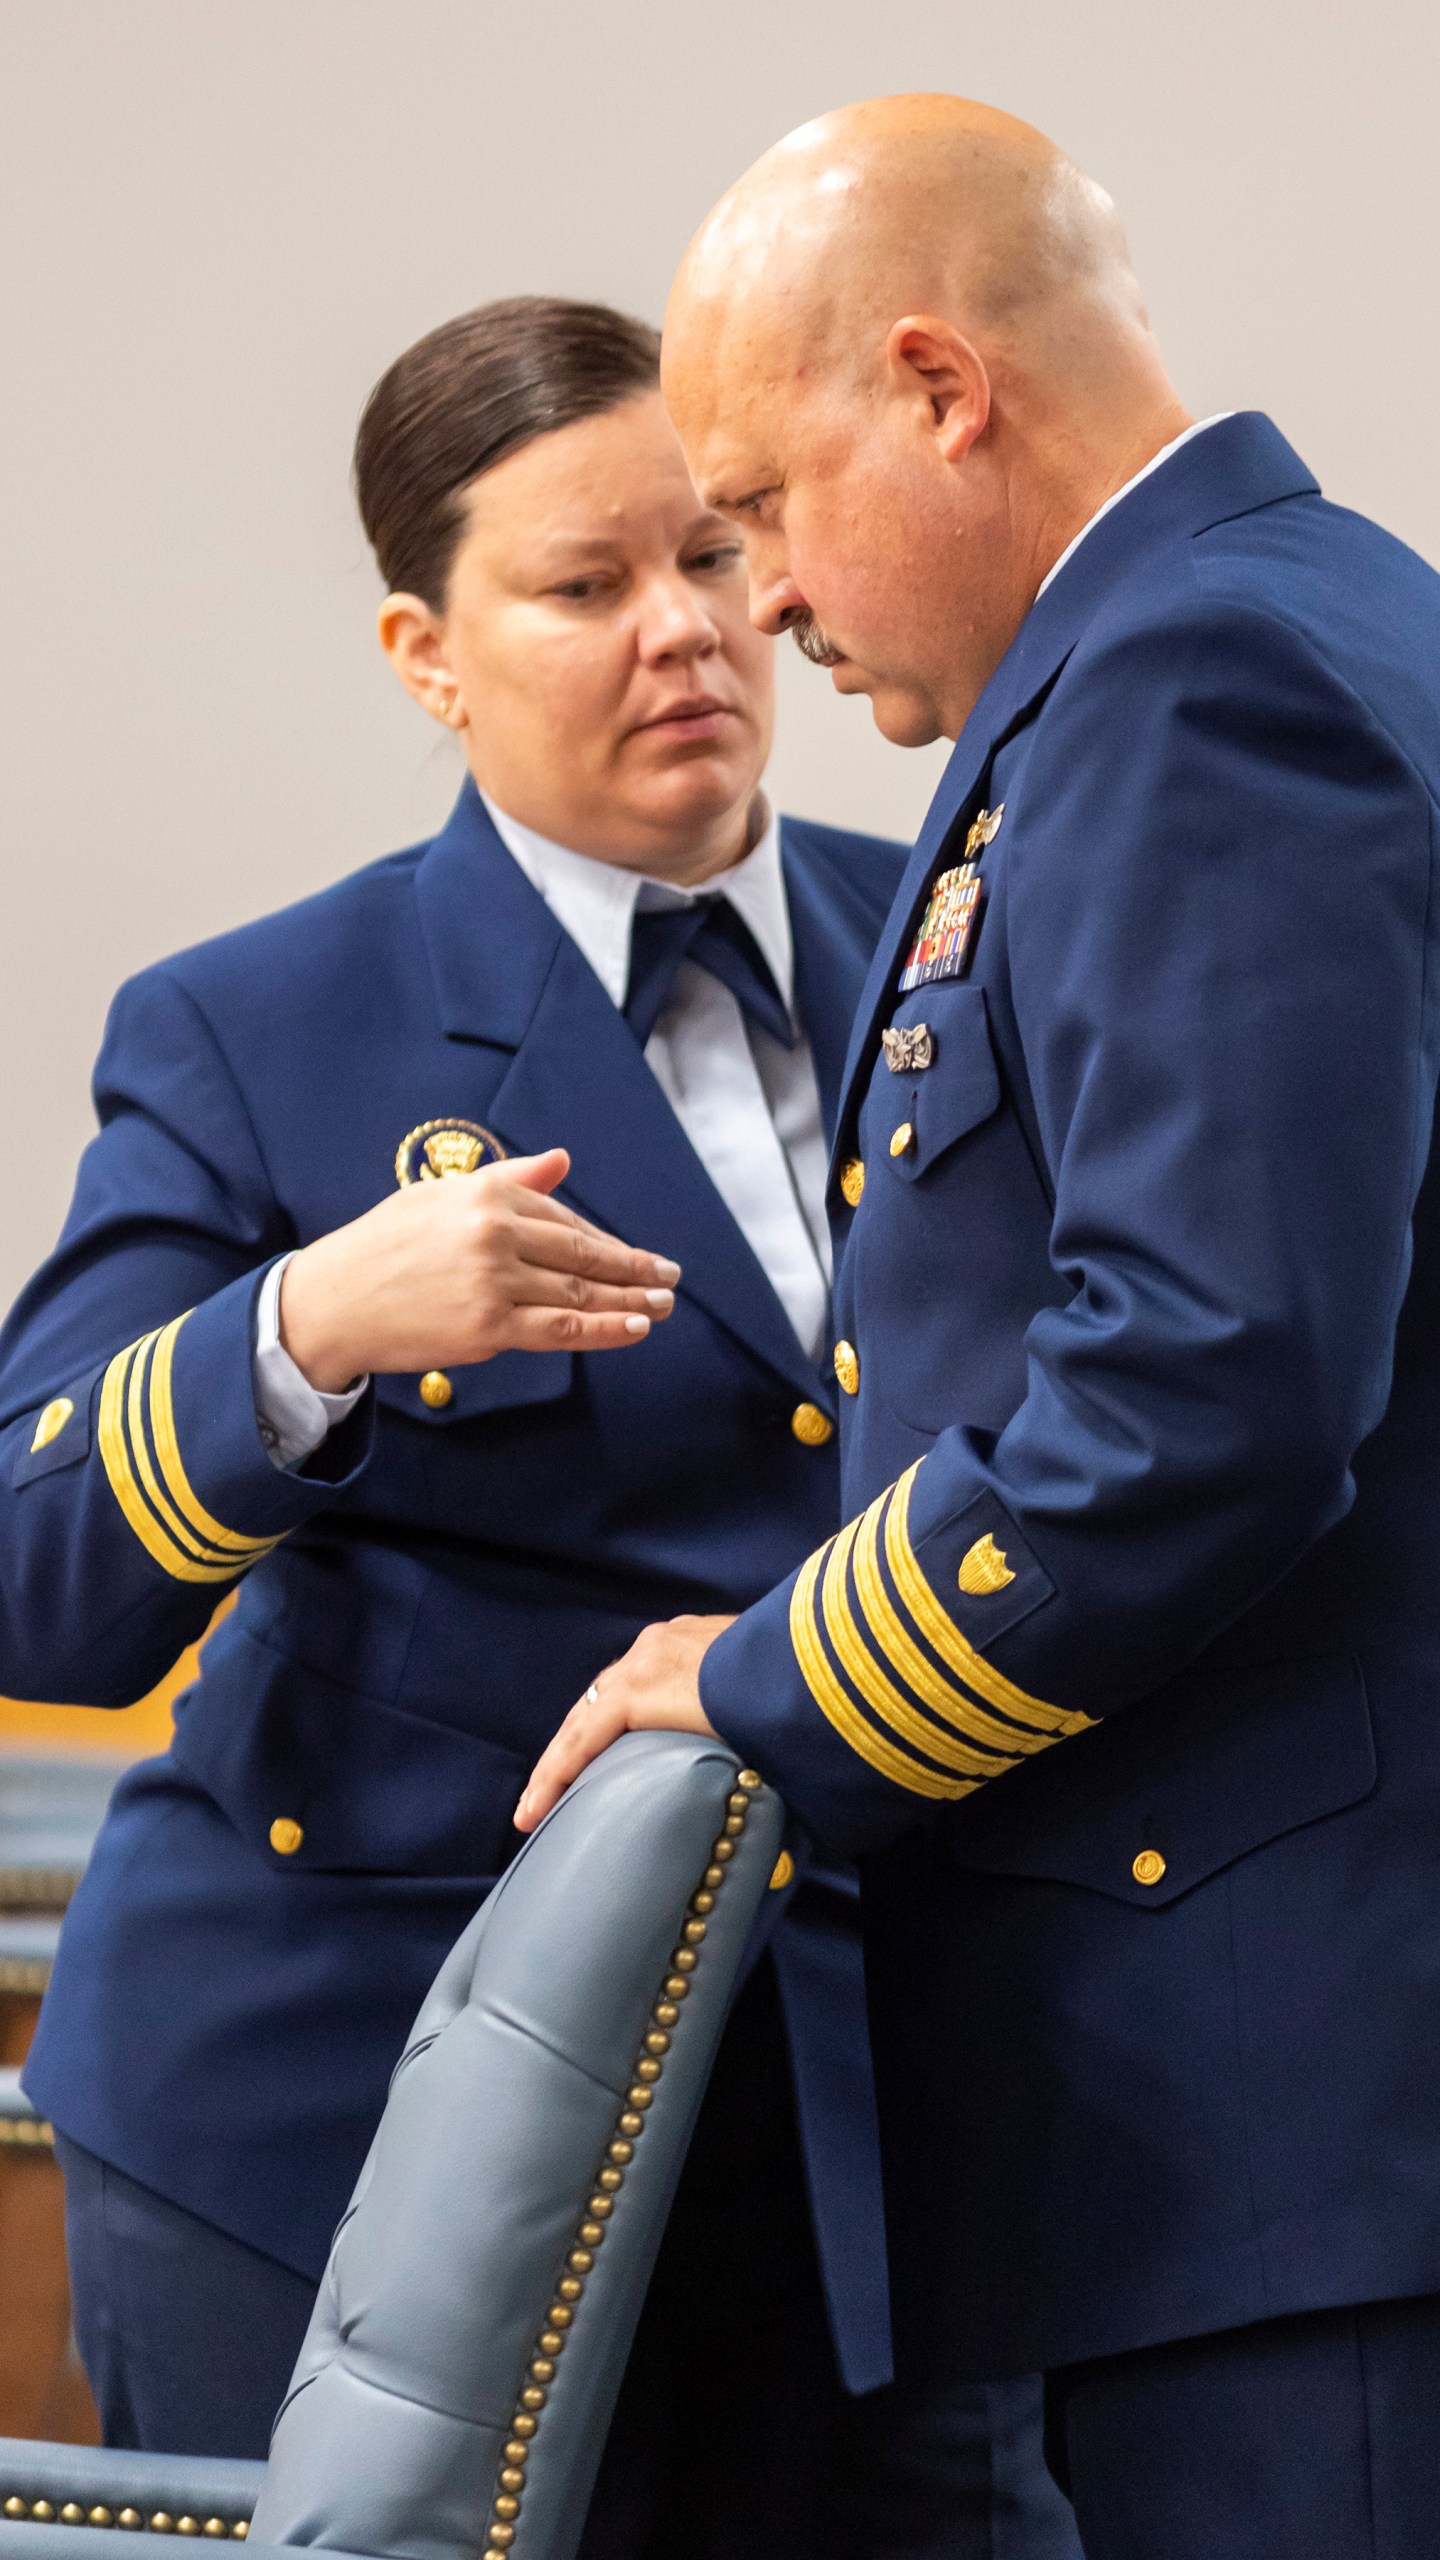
(865, 1673)
(833, 1703)
(138, 1451)
(167, 1450)
(934, 1691)
(177, 1542)
(940, 1631)
(115, 1457)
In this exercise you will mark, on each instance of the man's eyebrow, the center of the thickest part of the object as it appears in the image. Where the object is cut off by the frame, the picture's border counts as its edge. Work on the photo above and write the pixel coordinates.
(745, 498)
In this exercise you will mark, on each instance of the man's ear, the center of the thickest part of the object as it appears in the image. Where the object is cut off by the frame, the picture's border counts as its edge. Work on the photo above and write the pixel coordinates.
(932, 360)
(413, 639)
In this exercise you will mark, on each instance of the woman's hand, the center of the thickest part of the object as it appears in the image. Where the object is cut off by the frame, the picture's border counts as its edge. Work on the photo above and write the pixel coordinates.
(447, 1272)
(656, 1683)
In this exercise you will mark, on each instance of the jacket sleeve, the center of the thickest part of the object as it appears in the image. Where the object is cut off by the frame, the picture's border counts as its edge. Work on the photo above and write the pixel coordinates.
(134, 1484)
(1218, 920)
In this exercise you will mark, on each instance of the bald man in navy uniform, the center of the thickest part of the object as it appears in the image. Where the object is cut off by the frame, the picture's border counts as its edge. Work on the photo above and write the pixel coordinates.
(1121, 1677)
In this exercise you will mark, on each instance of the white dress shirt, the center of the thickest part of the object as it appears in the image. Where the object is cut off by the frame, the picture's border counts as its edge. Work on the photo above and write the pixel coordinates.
(749, 1106)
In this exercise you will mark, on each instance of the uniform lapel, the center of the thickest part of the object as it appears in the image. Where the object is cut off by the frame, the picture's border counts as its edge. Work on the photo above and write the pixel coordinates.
(828, 970)
(507, 974)
(1240, 464)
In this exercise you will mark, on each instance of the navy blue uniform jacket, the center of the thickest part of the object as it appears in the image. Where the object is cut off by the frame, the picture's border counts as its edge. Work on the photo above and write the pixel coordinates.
(1126, 1673)
(421, 1602)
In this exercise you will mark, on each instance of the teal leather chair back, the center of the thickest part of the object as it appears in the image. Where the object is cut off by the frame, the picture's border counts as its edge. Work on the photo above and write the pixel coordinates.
(453, 2394)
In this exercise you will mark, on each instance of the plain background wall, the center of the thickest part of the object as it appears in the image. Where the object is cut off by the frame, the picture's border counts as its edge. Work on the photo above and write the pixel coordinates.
(222, 218)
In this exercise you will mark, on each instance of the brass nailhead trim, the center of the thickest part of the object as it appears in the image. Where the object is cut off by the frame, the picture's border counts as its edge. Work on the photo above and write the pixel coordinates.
(505, 2507)
(27, 2133)
(129, 2519)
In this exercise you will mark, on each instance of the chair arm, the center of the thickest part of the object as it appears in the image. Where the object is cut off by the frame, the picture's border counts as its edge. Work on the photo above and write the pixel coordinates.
(194, 2494)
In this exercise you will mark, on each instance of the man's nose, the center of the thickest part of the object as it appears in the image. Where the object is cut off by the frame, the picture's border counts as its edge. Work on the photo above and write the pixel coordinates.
(775, 602)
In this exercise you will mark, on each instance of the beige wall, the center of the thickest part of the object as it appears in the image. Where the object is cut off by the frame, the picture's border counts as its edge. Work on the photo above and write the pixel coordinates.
(221, 218)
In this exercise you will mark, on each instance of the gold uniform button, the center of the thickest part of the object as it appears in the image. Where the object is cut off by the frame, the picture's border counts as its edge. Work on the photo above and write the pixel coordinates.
(811, 1427)
(286, 1836)
(1149, 1867)
(903, 1139)
(783, 1872)
(847, 1367)
(852, 1181)
(435, 1389)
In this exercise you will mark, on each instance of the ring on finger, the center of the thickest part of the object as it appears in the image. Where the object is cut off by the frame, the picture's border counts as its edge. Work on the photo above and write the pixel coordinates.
(592, 1696)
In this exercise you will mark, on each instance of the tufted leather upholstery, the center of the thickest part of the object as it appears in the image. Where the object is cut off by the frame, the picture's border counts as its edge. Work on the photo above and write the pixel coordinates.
(501, 2118)
(459, 2238)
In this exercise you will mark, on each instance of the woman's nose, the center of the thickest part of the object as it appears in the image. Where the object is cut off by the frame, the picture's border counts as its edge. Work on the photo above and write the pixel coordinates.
(675, 623)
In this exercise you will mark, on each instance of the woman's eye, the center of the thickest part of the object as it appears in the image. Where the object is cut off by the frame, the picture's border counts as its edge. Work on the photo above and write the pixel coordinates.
(576, 590)
(721, 555)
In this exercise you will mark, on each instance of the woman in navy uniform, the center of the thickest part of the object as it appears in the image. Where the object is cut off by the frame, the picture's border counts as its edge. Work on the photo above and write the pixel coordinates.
(336, 1322)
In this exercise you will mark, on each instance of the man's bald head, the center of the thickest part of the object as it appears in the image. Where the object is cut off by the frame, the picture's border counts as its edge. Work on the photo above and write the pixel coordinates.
(911, 283)
(903, 204)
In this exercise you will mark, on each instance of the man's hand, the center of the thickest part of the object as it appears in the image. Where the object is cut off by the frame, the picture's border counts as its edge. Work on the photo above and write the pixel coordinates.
(656, 1683)
(448, 1272)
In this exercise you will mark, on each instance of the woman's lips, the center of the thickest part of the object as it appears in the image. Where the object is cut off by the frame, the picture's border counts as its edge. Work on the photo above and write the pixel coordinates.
(703, 718)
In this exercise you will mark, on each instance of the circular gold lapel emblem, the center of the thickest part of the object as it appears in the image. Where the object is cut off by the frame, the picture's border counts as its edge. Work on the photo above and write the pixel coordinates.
(441, 1147)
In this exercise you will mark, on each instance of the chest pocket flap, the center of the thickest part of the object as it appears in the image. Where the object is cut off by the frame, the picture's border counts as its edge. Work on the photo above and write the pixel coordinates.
(955, 1093)
(506, 1384)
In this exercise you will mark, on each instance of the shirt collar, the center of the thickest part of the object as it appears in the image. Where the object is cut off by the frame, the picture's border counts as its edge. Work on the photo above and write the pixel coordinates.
(1154, 463)
(596, 901)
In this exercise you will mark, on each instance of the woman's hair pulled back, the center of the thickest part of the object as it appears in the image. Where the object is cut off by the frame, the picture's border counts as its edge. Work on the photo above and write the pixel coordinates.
(467, 395)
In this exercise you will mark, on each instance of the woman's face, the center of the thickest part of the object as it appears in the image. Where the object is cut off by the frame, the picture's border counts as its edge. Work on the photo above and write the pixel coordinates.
(596, 646)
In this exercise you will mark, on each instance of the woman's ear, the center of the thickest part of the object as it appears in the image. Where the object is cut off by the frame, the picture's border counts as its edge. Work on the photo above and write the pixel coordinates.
(413, 639)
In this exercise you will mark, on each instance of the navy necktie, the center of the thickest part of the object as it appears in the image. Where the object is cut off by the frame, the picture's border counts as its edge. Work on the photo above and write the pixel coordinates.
(710, 933)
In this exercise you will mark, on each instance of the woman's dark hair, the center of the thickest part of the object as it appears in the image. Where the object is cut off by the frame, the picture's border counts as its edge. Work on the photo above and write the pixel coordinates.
(466, 396)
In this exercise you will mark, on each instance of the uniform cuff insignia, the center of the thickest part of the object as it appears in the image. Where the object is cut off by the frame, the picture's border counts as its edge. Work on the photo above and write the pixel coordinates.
(140, 1453)
(882, 1655)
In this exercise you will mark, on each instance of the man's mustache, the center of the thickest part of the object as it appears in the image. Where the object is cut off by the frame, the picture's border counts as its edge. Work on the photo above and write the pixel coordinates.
(812, 643)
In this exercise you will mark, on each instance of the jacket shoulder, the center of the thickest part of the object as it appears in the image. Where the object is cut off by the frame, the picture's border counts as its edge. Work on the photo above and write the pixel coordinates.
(1308, 596)
(862, 872)
(317, 933)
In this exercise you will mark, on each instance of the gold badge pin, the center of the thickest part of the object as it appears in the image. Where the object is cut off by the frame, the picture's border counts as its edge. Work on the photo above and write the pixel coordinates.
(441, 1147)
(984, 831)
(984, 1568)
(51, 1423)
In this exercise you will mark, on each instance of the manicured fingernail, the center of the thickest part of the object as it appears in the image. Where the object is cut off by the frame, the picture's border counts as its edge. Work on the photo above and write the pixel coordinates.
(668, 1271)
(664, 1299)
(637, 1324)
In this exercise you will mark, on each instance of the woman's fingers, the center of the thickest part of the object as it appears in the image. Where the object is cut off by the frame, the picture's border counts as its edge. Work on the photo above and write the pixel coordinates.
(530, 1285)
(566, 1329)
(554, 1244)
